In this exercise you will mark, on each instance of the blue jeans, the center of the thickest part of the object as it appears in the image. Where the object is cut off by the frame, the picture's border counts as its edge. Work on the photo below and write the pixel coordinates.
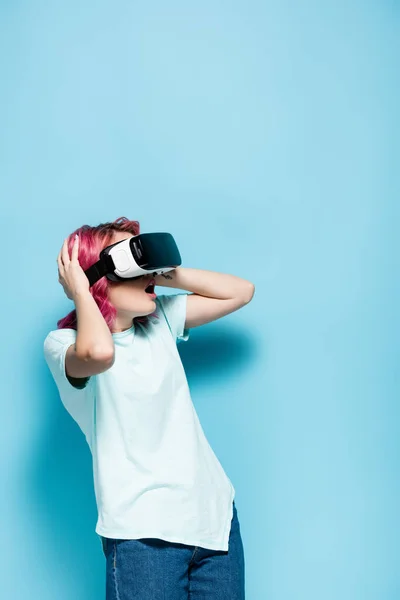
(155, 569)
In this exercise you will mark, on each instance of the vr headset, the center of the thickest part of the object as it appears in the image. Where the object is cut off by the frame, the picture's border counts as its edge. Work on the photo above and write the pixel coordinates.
(142, 254)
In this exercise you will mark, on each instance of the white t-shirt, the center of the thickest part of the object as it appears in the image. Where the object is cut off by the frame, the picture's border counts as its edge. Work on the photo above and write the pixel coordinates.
(155, 473)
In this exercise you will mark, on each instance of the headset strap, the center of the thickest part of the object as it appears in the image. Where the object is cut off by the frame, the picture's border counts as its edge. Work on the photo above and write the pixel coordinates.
(100, 268)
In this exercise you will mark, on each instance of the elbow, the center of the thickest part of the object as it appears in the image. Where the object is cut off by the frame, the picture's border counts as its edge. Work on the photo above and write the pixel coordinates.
(104, 355)
(248, 293)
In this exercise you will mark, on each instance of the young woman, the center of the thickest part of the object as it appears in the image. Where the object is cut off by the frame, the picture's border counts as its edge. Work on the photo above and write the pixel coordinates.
(167, 519)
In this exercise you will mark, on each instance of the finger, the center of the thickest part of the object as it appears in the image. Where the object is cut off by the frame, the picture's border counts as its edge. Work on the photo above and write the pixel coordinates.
(75, 248)
(65, 253)
(59, 262)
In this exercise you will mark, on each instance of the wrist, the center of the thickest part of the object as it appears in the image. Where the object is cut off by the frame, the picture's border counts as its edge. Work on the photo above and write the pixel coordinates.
(81, 295)
(167, 279)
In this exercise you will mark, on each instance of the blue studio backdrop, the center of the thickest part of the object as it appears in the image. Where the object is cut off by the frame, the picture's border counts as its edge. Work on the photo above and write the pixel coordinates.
(263, 135)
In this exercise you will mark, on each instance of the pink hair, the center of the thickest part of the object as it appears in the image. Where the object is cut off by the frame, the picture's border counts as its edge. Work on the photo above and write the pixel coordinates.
(91, 241)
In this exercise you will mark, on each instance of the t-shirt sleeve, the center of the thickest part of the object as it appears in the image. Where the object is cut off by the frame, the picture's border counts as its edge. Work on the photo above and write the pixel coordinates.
(173, 309)
(77, 394)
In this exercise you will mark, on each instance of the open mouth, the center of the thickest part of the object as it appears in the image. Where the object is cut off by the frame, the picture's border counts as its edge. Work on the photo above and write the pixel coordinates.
(150, 288)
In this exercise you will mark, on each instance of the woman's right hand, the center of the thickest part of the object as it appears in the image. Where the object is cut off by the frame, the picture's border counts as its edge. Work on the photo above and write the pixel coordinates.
(70, 274)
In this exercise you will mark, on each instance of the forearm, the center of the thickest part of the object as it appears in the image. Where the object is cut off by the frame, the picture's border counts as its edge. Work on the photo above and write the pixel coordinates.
(93, 334)
(207, 283)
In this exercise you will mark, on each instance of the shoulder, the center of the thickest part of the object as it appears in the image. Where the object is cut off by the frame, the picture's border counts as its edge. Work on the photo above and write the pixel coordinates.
(55, 347)
(171, 309)
(57, 342)
(59, 336)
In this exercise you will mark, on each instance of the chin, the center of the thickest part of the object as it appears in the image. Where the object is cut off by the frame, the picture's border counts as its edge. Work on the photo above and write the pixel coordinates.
(152, 305)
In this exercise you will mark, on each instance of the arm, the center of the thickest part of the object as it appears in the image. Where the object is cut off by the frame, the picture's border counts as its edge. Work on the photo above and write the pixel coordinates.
(93, 338)
(93, 351)
(214, 294)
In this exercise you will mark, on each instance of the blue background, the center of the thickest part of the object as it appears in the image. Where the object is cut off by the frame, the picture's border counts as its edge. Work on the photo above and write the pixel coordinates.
(264, 135)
